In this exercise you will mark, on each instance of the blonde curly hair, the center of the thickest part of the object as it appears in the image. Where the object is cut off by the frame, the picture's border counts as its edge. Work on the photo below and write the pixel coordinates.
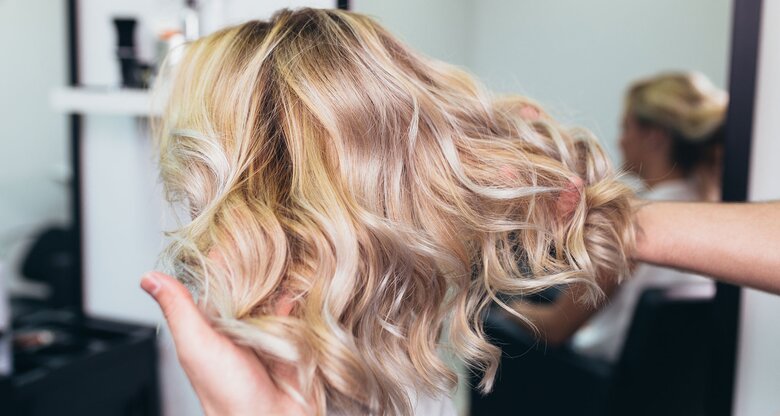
(382, 194)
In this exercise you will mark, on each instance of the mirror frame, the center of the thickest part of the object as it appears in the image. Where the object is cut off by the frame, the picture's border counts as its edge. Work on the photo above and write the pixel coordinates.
(745, 38)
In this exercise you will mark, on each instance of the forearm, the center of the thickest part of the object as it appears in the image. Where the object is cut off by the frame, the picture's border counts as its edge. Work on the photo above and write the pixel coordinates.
(556, 322)
(541, 319)
(735, 243)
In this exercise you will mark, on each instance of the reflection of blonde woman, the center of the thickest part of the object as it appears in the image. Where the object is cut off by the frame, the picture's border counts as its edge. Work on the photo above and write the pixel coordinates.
(672, 133)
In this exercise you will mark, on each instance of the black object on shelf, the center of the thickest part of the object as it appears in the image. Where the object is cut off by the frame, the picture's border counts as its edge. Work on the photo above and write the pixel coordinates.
(64, 365)
(52, 260)
(134, 72)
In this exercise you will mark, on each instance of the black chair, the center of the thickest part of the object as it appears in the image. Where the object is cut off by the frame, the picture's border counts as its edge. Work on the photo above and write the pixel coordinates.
(663, 368)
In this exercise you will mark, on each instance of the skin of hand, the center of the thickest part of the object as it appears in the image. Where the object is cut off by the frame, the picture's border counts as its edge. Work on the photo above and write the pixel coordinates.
(228, 379)
(735, 243)
(559, 320)
(570, 197)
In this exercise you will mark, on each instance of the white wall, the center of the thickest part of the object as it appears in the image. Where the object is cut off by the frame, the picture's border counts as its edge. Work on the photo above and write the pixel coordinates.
(33, 148)
(438, 28)
(577, 57)
(758, 364)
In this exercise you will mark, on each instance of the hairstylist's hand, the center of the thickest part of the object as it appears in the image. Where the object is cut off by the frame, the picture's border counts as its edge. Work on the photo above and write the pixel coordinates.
(228, 379)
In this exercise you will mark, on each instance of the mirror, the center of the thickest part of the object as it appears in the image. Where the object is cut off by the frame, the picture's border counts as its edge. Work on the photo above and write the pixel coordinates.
(647, 344)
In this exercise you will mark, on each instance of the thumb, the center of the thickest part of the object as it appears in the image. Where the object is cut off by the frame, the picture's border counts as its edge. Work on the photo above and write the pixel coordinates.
(184, 319)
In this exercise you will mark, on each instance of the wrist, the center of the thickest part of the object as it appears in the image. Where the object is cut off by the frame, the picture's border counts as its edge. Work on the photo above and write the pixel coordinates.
(644, 216)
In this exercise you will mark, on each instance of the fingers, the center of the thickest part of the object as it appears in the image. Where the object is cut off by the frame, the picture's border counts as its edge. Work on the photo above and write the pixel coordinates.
(284, 305)
(569, 199)
(508, 172)
(185, 320)
(529, 112)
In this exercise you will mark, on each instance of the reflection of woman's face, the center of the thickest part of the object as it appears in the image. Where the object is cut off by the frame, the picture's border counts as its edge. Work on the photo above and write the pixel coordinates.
(632, 145)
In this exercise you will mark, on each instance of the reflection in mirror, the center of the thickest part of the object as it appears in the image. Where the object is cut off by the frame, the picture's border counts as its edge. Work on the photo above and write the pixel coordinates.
(648, 78)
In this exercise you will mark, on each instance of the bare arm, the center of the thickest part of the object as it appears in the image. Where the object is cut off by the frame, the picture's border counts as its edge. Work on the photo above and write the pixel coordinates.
(737, 243)
(558, 321)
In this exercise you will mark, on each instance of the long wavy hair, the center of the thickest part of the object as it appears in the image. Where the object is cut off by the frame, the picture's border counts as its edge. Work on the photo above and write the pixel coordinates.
(388, 197)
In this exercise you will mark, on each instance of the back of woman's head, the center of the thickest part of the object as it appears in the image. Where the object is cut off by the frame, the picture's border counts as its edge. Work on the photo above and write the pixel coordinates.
(385, 196)
(686, 105)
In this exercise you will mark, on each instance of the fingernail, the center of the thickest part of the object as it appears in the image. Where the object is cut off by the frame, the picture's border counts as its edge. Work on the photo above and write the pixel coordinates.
(150, 283)
(529, 112)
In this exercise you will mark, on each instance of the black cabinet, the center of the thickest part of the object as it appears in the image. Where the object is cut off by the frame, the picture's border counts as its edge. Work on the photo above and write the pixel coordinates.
(87, 367)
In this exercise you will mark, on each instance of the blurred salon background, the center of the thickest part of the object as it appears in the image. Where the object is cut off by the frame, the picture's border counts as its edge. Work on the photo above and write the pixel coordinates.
(82, 217)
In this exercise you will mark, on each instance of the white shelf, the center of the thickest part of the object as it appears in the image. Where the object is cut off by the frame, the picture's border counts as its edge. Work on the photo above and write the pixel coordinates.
(95, 100)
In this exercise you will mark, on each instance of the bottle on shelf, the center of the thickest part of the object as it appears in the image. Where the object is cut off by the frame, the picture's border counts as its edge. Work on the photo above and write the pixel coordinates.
(190, 20)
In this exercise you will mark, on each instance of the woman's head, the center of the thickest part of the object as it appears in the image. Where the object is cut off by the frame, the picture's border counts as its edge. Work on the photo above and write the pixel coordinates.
(386, 196)
(672, 122)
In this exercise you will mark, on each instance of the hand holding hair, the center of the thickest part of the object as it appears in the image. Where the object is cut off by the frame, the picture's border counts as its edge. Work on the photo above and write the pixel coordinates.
(229, 379)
